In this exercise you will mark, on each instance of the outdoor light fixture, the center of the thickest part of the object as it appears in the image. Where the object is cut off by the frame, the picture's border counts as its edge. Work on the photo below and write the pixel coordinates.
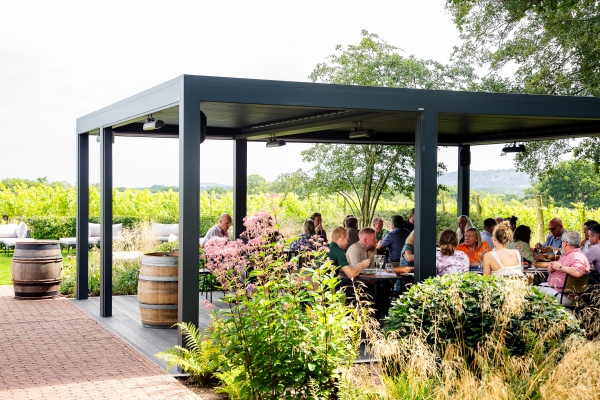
(514, 148)
(275, 143)
(360, 132)
(98, 138)
(152, 124)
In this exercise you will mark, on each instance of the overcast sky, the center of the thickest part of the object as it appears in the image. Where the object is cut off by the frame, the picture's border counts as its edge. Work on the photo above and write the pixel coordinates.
(63, 59)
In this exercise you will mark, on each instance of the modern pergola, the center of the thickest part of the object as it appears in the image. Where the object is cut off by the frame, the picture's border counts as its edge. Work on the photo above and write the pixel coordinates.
(245, 110)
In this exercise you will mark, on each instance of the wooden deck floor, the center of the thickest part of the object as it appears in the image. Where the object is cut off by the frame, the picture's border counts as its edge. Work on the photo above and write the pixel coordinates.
(126, 324)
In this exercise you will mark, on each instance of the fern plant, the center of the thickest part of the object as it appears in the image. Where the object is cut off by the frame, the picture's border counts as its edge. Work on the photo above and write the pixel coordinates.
(199, 358)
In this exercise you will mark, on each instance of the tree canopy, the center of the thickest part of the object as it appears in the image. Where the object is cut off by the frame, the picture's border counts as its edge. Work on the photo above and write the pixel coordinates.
(361, 173)
(570, 182)
(554, 46)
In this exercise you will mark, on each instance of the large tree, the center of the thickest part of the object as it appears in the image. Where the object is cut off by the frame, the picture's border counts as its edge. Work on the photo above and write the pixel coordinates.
(554, 46)
(361, 173)
(572, 181)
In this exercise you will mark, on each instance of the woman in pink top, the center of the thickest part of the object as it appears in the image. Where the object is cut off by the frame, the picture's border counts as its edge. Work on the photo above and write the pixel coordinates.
(448, 260)
(573, 262)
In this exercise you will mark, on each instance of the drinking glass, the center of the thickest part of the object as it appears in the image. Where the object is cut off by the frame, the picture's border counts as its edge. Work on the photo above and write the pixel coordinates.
(556, 250)
(389, 267)
(379, 261)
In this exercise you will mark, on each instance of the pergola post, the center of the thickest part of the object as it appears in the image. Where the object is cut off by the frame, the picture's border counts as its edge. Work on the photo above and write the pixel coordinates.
(189, 204)
(83, 210)
(464, 179)
(240, 184)
(426, 141)
(106, 183)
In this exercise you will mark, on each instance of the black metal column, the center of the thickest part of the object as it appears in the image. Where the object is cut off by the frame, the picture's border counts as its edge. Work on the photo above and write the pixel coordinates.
(106, 185)
(83, 210)
(189, 203)
(464, 180)
(240, 184)
(426, 140)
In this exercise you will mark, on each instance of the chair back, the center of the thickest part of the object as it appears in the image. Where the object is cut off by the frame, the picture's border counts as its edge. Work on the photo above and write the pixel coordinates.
(576, 285)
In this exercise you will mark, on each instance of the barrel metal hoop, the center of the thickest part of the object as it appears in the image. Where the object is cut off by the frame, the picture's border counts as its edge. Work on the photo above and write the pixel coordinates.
(159, 306)
(159, 278)
(37, 281)
(37, 294)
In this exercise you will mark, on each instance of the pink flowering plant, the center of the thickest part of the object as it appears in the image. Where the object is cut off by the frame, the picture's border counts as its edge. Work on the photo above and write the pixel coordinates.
(287, 328)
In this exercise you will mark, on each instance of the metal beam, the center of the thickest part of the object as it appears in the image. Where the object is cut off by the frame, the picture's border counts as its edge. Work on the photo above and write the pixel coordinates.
(106, 184)
(463, 196)
(83, 211)
(240, 185)
(189, 204)
(425, 192)
(338, 119)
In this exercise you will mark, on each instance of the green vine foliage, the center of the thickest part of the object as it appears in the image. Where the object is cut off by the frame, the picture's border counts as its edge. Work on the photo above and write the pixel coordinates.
(467, 309)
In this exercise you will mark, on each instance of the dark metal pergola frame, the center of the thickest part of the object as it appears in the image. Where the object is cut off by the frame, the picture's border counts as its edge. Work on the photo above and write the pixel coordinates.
(244, 109)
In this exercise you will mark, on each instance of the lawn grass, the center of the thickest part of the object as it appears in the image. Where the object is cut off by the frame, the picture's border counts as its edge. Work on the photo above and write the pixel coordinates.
(5, 268)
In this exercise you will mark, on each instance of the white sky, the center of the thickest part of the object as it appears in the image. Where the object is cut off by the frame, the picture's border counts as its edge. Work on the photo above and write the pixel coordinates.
(63, 59)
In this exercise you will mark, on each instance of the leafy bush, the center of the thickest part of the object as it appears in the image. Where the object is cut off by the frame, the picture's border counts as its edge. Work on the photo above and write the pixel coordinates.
(124, 280)
(467, 308)
(199, 358)
(61, 227)
(287, 333)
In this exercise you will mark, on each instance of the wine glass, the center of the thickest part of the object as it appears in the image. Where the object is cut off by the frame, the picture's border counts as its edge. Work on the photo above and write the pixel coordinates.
(556, 250)
(379, 261)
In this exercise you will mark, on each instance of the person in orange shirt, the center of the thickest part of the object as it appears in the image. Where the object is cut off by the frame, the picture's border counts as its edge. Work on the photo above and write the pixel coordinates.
(473, 246)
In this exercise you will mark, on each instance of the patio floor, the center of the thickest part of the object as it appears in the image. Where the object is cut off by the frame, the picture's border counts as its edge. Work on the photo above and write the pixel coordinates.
(126, 323)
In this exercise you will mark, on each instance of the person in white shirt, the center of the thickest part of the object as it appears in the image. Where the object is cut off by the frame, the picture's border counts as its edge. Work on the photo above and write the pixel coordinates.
(219, 230)
(488, 227)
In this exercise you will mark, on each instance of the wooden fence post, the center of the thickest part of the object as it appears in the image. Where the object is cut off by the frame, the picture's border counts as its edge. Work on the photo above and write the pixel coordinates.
(443, 203)
(540, 218)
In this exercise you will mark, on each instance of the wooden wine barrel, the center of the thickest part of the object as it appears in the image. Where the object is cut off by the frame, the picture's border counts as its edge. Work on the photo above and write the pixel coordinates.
(157, 290)
(37, 269)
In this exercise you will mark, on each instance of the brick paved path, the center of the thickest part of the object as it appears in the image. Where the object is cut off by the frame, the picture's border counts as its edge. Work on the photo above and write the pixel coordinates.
(50, 349)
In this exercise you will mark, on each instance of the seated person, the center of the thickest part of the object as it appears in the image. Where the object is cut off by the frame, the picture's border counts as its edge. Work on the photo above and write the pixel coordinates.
(473, 246)
(501, 260)
(554, 238)
(572, 262)
(339, 241)
(408, 251)
(378, 227)
(364, 249)
(585, 243)
(318, 220)
(448, 260)
(521, 239)
(219, 230)
(409, 223)
(306, 240)
(462, 224)
(488, 228)
(394, 241)
(351, 224)
(593, 254)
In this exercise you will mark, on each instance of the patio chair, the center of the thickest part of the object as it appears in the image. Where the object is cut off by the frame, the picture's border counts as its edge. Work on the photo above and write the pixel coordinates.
(93, 236)
(574, 287)
(162, 232)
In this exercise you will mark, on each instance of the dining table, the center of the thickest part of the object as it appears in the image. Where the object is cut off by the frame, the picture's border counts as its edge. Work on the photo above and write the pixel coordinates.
(381, 282)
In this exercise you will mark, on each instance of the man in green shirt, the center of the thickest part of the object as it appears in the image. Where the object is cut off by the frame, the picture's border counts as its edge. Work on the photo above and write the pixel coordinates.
(339, 241)
(378, 227)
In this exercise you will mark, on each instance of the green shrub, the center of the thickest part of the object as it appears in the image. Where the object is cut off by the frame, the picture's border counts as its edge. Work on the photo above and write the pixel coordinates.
(199, 358)
(467, 308)
(61, 227)
(124, 279)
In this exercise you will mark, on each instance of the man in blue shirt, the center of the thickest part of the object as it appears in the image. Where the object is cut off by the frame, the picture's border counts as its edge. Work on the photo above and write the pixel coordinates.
(394, 241)
(554, 238)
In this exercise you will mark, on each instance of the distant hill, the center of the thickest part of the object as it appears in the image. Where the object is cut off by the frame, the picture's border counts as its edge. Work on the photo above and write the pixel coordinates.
(506, 179)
